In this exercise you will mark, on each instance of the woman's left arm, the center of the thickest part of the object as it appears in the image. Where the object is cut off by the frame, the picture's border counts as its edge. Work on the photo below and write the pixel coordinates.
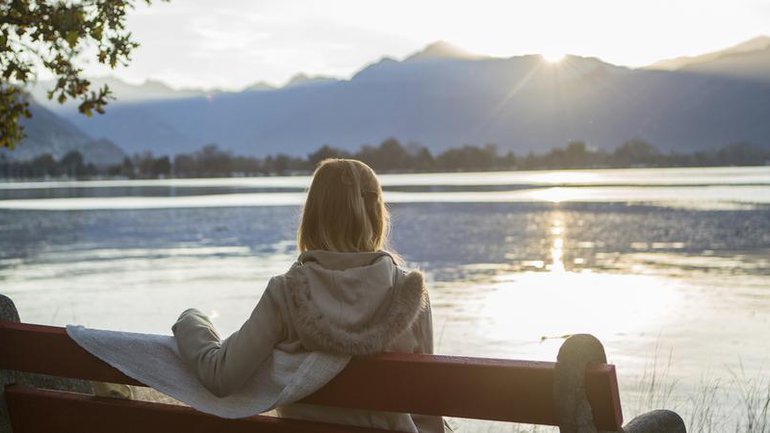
(224, 366)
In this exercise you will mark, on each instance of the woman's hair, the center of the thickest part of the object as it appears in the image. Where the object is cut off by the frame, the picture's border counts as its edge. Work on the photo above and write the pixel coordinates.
(344, 210)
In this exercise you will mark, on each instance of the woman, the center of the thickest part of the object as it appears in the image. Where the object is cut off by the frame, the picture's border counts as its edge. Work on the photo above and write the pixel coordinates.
(345, 294)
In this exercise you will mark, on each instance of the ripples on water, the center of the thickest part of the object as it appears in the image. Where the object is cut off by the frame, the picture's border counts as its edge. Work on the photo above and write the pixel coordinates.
(507, 279)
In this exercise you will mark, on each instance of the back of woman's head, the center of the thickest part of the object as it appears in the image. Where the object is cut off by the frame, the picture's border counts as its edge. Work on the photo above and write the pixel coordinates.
(344, 210)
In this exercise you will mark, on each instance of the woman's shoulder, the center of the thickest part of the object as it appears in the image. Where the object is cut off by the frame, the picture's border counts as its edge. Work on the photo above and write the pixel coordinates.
(292, 277)
(279, 281)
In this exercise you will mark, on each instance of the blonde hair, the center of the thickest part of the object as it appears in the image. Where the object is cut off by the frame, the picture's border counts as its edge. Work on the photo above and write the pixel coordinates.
(344, 210)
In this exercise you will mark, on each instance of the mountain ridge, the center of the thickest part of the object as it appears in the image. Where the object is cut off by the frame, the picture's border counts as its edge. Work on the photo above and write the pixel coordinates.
(442, 50)
(757, 43)
(438, 50)
(522, 103)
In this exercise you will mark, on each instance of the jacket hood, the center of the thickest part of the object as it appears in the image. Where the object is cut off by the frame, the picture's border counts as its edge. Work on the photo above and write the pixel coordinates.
(352, 303)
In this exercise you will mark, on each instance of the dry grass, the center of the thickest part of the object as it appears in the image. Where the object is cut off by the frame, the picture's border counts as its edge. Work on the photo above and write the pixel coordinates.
(738, 404)
(754, 400)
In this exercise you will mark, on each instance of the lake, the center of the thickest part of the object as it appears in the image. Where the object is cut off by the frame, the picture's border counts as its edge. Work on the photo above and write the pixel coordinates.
(667, 267)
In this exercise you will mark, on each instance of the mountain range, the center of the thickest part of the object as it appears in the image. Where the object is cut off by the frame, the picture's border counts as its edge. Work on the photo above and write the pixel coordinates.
(444, 97)
(749, 60)
(48, 133)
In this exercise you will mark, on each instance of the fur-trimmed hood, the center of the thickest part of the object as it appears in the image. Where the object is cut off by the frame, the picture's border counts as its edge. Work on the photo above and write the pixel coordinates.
(352, 303)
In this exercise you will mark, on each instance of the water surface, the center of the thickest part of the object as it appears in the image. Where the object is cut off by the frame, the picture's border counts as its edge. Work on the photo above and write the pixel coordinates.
(668, 267)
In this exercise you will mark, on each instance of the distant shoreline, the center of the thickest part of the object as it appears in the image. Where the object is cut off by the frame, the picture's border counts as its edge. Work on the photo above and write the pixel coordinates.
(305, 173)
(160, 181)
(390, 157)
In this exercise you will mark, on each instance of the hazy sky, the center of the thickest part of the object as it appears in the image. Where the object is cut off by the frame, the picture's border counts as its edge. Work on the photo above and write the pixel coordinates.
(234, 43)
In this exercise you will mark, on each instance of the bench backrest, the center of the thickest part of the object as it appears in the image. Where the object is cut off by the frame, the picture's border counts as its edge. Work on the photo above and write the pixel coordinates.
(491, 389)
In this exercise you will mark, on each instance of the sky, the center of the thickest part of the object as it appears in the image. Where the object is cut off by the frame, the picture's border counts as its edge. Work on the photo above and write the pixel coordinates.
(231, 44)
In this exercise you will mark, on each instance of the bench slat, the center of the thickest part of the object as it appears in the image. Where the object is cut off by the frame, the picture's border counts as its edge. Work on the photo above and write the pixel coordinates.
(35, 411)
(504, 390)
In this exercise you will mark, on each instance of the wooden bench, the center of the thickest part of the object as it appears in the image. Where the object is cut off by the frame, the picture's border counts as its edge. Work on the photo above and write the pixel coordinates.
(578, 393)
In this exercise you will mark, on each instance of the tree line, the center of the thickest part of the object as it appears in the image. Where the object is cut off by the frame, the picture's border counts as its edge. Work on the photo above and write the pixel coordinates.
(389, 157)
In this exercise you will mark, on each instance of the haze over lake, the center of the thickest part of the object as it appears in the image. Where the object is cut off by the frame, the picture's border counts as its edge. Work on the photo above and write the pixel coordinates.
(663, 265)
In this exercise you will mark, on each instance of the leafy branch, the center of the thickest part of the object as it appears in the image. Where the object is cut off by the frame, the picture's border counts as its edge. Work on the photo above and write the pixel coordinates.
(55, 35)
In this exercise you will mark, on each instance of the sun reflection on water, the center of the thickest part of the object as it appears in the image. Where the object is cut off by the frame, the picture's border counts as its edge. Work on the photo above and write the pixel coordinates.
(557, 244)
(533, 310)
(529, 312)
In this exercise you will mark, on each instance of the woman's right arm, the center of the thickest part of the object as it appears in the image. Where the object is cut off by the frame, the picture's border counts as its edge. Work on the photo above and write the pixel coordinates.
(224, 366)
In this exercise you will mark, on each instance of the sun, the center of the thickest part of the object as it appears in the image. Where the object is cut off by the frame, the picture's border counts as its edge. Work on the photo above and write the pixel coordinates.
(553, 56)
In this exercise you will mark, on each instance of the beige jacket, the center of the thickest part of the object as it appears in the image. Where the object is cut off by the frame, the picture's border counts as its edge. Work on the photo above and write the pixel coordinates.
(351, 303)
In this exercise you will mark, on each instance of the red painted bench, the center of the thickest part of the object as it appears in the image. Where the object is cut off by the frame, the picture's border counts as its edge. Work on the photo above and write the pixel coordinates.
(491, 389)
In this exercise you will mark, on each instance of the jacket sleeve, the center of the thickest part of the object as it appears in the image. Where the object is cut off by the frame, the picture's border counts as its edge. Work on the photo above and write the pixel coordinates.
(427, 423)
(224, 366)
